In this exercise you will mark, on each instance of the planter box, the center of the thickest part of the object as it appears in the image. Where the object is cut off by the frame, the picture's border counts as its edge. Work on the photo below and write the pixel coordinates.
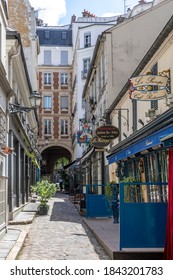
(43, 209)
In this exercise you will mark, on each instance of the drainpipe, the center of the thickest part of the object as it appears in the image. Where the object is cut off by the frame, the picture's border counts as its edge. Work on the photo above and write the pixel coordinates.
(10, 66)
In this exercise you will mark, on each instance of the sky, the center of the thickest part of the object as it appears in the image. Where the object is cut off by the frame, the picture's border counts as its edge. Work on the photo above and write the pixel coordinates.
(59, 12)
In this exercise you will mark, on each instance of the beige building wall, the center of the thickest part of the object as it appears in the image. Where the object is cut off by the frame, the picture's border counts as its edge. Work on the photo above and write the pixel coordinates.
(129, 41)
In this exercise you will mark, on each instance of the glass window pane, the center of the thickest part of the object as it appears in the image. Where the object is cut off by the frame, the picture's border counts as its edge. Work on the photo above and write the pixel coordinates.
(64, 78)
(64, 127)
(47, 102)
(47, 78)
(47, 126)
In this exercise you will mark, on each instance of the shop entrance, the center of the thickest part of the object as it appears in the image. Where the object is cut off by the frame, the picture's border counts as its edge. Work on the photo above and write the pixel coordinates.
(143, 222)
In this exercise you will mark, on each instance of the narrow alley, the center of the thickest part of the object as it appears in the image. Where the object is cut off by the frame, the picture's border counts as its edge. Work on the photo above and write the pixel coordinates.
(61, 235)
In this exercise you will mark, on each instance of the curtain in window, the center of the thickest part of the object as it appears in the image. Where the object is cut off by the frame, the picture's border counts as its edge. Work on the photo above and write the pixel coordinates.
(168, 252)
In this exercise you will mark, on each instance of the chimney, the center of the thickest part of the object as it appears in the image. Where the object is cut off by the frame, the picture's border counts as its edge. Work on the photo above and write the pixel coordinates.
(85, 13)
(142, 2)
(120, 19)
(73, 18)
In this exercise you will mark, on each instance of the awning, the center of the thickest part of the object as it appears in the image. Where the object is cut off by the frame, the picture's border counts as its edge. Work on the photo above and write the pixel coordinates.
(87, 155)
(168, 140)
(146, 143)
(70, 164)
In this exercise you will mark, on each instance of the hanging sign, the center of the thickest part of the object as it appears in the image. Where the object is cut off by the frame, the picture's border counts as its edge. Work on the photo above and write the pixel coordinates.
(108, 132)
(82, 137)
(99, 142)
(148, 87)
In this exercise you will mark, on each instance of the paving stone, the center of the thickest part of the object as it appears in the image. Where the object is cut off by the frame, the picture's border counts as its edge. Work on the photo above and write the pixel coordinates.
(31, 207)
(61, 235)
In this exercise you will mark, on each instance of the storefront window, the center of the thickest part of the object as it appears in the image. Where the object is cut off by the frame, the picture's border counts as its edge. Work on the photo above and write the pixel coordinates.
(151, 168)
(163, 165)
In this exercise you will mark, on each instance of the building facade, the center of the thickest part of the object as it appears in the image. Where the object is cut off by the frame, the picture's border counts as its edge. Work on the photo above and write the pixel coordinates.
(118, 52)
(5, 93)
(55, 87)
(86, 30)
(21, 62)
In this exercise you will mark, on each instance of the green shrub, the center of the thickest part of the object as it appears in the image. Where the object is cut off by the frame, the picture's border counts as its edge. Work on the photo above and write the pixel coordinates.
(44, 190)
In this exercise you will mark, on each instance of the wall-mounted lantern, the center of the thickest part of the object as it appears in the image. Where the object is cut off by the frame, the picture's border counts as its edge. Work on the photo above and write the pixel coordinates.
(35, 100)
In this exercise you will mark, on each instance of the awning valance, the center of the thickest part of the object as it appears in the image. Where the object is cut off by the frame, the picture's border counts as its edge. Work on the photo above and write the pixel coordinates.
(144, 144)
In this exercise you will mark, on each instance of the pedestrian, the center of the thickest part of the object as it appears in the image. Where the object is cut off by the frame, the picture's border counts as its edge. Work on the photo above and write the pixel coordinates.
(60, 184)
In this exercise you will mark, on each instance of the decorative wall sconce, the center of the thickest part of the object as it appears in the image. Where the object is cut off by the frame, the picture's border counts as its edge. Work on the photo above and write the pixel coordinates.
(35, 100)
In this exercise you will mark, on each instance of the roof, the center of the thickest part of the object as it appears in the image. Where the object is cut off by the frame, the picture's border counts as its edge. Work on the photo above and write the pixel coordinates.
(55, 35)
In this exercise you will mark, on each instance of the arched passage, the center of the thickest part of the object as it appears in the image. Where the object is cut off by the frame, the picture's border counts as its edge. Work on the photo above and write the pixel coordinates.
(50, 156)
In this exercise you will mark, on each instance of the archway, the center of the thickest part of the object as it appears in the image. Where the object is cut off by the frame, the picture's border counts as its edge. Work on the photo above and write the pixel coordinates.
(50, 157)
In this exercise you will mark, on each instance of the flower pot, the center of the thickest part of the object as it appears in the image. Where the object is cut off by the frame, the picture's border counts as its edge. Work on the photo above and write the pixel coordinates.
(43, 209)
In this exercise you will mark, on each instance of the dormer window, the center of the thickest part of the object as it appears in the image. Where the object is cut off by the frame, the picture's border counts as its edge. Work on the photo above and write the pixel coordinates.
(64, 35)
(87, 40)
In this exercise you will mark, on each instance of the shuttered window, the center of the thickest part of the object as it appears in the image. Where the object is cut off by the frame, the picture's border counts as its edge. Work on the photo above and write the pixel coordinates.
(64, 57)
(47, 57)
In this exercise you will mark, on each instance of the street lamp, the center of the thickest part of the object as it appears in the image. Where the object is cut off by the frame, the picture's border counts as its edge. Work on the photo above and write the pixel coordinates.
(35, 100)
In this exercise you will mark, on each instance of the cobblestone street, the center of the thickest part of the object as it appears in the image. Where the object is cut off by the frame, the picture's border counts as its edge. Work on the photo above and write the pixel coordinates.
(61, 235)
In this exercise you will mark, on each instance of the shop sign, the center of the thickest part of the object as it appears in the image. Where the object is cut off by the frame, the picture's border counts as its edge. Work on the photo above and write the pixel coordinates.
(108, 132)
(148, 87)
(82, 137)
(99, 142)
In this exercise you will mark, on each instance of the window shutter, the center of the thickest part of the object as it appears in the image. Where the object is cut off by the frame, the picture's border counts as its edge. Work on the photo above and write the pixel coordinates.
(47, 58)
(64, 57)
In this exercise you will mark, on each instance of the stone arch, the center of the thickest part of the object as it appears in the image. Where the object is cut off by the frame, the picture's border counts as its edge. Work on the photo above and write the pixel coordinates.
(50, 154)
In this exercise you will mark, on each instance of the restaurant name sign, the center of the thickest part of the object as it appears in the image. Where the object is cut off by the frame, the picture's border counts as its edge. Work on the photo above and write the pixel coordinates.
(148, 87)
(108, 132)
(99, 142)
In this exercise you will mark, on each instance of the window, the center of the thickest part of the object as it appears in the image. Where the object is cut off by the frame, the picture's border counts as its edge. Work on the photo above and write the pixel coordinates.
(64, 57)
(64, 35)
(64, 79)
(47, 102)
(47, 57)
(86, 65)
(47, 78)
(46, 34)
(87, 40)
(64, 102)
(47, 126)
(64, 127)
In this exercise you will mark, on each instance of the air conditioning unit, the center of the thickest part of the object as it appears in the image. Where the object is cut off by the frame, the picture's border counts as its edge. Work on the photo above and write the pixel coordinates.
(169, 100)
(151, 114)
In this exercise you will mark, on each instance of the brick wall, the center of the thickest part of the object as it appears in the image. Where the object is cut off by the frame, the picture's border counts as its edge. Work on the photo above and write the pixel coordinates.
(19, 19)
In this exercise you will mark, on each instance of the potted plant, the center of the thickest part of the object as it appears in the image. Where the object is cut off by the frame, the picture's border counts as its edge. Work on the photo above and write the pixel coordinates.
(44, 190)
(112, 194)
(129, 189)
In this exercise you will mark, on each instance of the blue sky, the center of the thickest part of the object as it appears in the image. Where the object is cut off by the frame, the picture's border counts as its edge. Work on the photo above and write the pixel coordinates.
(59, 12)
